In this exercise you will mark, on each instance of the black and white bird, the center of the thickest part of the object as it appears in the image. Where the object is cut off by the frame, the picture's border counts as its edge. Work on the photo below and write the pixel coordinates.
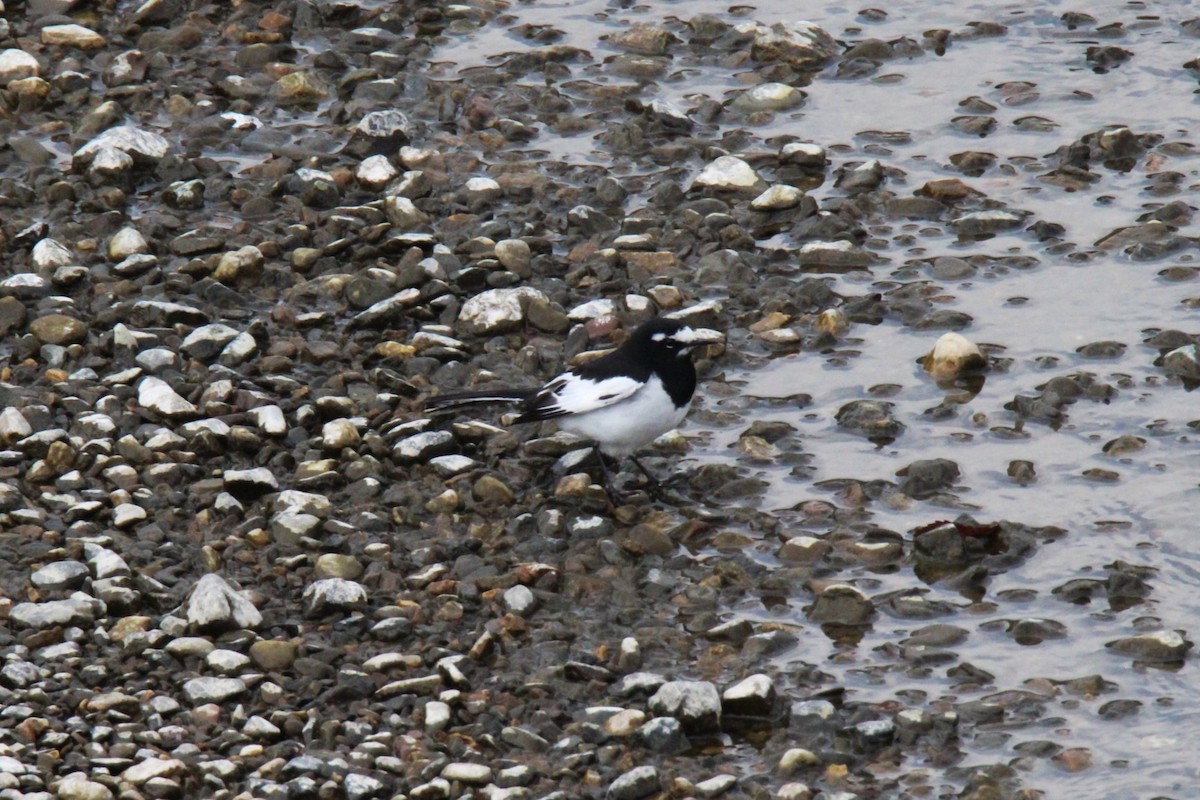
(622, 400)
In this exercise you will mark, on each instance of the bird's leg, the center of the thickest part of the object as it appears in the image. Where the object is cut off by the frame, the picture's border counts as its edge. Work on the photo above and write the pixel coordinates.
(606, 477)
(655, 484)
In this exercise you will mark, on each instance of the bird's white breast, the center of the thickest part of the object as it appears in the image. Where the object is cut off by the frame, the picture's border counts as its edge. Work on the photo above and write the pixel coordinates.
(625, 427)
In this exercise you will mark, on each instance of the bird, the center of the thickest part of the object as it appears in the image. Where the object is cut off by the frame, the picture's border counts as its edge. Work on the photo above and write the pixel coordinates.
(621, 400)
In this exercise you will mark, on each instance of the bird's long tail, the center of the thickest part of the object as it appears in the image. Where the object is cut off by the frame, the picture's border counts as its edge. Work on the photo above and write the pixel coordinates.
(454, 400)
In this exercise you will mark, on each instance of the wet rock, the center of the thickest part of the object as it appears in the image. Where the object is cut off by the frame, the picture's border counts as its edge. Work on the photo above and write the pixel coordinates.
(927, 477)
(981, 223)
(871, 419)
(144, 147)
(696, 704)
(769, 97)
(802, 45)
(777, 198)
(728, 174)
(751, 697)
(245, 263)
(953, 355)
(841, 604)
(643, 39)
(1182, 362)
(1157, 647)
(1022, 472)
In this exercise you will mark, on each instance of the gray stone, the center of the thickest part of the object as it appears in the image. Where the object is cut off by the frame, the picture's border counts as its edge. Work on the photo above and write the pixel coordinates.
(207, 341)
(212, 690)
(215, 605)
(696, 704)
(52, 613)
(663, 735)
(60, 575)
(498, 310)
(637, 782)
(333, 594)
(729, 174)
(158, 396)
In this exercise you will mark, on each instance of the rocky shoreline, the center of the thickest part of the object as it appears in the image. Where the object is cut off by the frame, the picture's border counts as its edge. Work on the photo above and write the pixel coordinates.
(238, 561)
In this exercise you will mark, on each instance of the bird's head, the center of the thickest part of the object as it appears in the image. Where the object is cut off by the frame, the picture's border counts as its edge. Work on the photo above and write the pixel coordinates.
(674, 337)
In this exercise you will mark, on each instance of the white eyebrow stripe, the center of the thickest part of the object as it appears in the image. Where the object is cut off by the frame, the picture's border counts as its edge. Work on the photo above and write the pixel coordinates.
(658, 337)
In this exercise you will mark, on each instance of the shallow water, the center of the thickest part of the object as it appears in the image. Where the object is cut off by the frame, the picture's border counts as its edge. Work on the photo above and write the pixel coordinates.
(1147, 517)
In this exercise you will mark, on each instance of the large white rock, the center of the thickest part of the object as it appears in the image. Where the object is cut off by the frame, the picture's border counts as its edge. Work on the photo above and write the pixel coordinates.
(158, 396)
(498, 310)
(728, 173)
(213, 603)
(17, 64)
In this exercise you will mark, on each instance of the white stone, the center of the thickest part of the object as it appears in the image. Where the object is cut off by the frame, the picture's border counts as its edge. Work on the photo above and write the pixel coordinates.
(777, 197)
(375, 172)
(128, 514)
(207, 340)
(158, 396)
(72, 35)
(76, 786)
(449, 466)
(339, 433)
(303, 502)
(226, 662)
(333, 594)
(127, 242)
(483, 186)
(259, 477)
(728, 173)
(17, 64)
(270, 420)
(212, 690)
(498, 310)
(952, 355)
(240, 350)
(13, 425)
(127, 139)
(769, 97)
(592, 309)
(104, 562)
(214, 603)
(49, 254)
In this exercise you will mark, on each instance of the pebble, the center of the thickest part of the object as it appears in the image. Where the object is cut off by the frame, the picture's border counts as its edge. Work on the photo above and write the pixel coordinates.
(637, 782)
(17, 64)
(214, 604)
(730, 174)
(60, 575)
(333, 594)
(158, 396)
(466, 772)
(696, 704)
(498, 310)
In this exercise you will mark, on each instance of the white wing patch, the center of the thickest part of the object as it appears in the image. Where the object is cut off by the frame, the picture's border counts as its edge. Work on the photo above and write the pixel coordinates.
(571, 394)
